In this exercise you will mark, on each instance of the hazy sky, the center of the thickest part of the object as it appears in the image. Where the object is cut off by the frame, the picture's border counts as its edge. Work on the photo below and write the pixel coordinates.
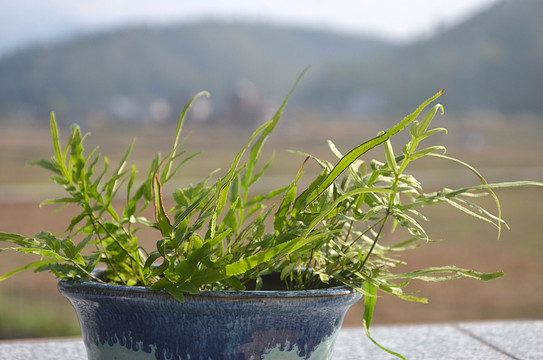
(26, 21)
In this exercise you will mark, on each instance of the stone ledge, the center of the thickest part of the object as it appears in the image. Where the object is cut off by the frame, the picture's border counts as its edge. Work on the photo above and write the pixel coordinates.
(494, 340)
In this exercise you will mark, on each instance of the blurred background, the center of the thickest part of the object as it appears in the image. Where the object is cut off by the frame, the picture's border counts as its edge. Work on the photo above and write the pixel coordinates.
(124, 70)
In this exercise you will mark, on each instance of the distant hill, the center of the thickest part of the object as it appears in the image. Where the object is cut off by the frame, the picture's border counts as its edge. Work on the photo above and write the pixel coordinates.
(491, 61)
(120, 73)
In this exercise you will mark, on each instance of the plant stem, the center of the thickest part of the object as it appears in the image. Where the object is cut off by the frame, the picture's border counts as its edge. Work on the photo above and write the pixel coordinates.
(365, 232)
(108, 258)
(376, 238)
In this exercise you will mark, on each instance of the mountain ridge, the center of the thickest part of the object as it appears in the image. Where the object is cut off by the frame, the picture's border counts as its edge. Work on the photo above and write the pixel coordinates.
(174, 62)
(493, 60)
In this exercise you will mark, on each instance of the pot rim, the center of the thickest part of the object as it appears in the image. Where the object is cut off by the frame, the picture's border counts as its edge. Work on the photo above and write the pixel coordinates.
(92, 286)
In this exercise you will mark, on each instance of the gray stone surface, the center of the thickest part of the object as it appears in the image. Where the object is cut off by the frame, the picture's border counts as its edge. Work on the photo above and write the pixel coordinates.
(521, 340)
(43, 350)
(416, 342)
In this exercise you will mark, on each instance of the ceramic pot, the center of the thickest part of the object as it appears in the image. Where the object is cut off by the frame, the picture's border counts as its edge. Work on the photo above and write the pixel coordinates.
(127, 322)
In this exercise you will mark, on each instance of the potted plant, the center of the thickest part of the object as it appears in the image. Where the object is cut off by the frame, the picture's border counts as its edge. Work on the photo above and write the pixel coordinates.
(238, 275)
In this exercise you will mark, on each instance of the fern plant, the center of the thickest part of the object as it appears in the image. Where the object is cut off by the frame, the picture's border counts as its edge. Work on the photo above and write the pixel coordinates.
(222, 236)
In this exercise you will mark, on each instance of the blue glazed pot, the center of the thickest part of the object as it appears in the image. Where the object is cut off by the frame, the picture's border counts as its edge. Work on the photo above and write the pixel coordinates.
(127, 322)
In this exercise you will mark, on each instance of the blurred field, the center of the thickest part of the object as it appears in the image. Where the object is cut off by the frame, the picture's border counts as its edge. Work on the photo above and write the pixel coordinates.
(504, 149)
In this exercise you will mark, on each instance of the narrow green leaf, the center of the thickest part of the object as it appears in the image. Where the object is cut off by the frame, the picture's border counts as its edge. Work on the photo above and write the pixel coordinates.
(266, 131)
(235, 283)
(466, 210)
(35, 264)
(260, 198)
(161, 284)
(60, 201)
(481, 178)
(418, 154)
(427, 119)
(160, 214)
(312, 192)
(83, 243)
(369, 305)
(122, 163)
(442, 273)
(180, 122)
(261, 172)
(323, 213)
(280, 217)
(56, 142)
(391, 159)
(48, 165)
(181, 217)
(20, 240)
